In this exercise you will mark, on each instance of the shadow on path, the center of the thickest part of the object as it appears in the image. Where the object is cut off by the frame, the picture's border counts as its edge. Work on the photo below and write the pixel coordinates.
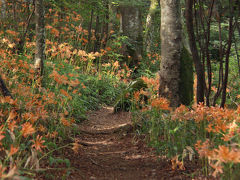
(110, 150)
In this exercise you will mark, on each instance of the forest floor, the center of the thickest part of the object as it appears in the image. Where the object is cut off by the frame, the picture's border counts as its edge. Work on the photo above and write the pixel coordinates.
(111, 150)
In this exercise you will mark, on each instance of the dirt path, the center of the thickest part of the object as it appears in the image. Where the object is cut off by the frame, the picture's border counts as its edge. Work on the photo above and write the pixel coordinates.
(110, 150)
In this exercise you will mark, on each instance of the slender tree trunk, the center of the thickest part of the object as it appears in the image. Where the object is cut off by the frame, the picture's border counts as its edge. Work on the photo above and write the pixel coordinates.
(149, 30)
(230, 34)
(40, 38)
(105, 28)
(23, 35)
(90, 30)
(170, 51)
(220, 74)
(236, 51)
(97, 36)
(196, 59)
(209, 67)
(237, 16)
(238, 26)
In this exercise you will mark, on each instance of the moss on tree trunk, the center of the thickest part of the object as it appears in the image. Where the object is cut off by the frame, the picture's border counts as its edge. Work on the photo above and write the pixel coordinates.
(186, 78)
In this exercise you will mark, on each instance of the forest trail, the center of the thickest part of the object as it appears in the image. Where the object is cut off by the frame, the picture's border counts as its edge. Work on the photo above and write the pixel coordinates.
(110, 150)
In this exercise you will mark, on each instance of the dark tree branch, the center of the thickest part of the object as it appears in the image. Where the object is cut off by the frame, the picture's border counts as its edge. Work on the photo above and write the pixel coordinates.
(230, 35)
(209, 68)
(197, 61)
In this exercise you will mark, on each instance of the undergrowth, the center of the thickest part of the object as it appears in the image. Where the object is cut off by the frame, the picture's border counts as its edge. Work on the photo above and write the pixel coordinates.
(206, 135)
(43, 115)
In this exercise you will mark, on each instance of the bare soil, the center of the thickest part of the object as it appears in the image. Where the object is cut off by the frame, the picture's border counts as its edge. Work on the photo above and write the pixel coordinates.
(111, 150)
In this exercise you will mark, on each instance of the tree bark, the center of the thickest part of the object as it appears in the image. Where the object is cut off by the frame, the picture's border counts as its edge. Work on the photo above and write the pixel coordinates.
(105, 25)
(186, 69)
(196, 59)
(230, 35)
(220, 72)
(149, 30)
(97, 36)
(186, 77)
(40, 38)
(90, 30)
(3, 9)
(236, 52)
(170, 51)
(131, 26)
(207, 43)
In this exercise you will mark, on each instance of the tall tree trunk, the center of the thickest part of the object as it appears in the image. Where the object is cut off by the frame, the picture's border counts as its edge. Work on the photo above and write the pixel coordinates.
(113, 16)
(237, 15)
(90, 30)
(170, 51)
(221, 55)
(3, 9)
(131, 26)
(230, 35)
(97, 36)
(40, 38)
(236, 52)
(207, 43)
(186, 77)
(196, 59)
(105, 25)
(149, 30)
